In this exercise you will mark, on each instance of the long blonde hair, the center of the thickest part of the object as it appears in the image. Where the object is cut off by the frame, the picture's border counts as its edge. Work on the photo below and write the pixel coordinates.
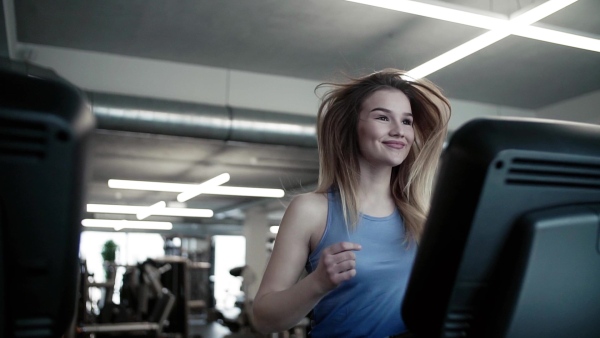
(412, 181)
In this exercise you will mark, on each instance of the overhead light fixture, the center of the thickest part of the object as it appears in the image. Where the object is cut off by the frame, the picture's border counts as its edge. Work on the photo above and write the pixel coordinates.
(150, 186)
(559, 38)
(489, 38)
(198, 189)
(242, 191)
(456, 54)
(274, 229)
(537, 13)
(135, 210)
(180, 187)
(119, 225)
(499, 28)
(440, 12)
(444, 12)
(151, 210)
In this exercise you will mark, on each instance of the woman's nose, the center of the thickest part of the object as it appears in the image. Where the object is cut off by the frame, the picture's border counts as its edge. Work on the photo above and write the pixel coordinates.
(397, 129)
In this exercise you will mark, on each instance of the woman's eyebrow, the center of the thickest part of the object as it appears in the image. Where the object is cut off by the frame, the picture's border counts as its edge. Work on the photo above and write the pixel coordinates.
(387, 111)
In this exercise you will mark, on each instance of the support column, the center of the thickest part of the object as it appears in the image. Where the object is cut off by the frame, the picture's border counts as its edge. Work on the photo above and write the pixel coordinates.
(256, 229)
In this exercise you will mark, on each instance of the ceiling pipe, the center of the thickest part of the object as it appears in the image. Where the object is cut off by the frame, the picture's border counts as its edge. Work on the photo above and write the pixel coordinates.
(167, 117)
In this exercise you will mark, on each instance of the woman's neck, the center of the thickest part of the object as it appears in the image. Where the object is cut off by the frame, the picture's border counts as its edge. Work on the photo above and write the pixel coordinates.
(375, 196)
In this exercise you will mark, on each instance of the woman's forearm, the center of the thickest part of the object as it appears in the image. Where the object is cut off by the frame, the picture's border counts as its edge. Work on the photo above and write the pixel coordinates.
(281, 310)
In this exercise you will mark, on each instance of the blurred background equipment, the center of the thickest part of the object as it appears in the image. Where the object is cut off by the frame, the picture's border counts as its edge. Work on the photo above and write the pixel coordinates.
(144, 308)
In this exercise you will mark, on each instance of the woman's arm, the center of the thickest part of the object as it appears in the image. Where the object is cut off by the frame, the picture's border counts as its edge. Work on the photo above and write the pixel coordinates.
(282, 301)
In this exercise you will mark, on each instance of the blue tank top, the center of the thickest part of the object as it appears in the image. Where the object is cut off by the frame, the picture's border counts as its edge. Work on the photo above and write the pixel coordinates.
(367, 305)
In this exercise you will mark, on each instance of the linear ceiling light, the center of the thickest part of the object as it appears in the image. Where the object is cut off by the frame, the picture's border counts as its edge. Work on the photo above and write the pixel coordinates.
(118, 225)
(559, 38)
(150, 186)
(198, 189)
(456, 54)
(156, 207)
(243, 191)
(440, 12)
(489, 38)
(499, 28)
(135, 210)
(180, 187)
(539, 12)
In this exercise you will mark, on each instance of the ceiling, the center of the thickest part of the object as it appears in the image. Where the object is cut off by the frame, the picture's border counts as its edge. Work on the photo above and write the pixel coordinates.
(311, 39)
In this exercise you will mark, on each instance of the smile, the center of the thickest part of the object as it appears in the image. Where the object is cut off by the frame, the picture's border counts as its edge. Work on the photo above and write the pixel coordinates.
(395, 144)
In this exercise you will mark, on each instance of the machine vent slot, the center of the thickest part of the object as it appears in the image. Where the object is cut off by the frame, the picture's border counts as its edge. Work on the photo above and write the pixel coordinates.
(457, 324)
(22, 139)
(34, 327)
(553, 173)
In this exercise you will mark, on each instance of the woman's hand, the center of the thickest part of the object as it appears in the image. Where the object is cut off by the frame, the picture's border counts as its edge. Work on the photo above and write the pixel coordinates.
(337, 264)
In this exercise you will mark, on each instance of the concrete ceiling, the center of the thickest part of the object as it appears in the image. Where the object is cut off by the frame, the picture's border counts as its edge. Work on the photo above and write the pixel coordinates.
(311, 39)
(317, 39)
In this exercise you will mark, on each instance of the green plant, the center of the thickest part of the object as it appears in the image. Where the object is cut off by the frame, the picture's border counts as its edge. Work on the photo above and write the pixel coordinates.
(109, 251)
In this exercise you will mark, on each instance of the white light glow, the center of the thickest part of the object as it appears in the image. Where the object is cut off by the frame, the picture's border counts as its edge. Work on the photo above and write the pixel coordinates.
(180, 187)
(499, 28)
(539, 12)
(146, 185)
(151, 210)
(274, 229)
(119, 225)
(242, 191)
(198, 189)
(559, 38)
(456, 54)
(437, 12)
(489, 38)
(134, 210)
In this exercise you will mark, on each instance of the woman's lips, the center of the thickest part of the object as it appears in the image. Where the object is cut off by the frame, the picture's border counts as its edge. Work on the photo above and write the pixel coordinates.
(395, 144)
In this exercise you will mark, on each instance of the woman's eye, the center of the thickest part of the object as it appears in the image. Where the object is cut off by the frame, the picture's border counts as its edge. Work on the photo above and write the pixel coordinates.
(407, 122)
(383, 118)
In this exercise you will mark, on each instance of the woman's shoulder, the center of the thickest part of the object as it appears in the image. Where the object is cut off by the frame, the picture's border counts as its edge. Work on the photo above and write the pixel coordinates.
(312, 203)
(311, 199)
(307, 215)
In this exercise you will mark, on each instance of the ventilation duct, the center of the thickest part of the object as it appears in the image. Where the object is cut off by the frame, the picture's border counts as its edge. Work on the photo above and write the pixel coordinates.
(157, 116)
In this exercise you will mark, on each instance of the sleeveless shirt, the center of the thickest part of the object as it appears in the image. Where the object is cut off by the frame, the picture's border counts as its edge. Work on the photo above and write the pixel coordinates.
(367, 305)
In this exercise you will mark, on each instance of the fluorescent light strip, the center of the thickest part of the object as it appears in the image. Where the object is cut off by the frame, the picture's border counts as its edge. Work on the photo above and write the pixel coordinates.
(457, 53)
(539, 12)
(437, 12)
(559, 38)
(242, 191)
(118, 225)
(134, 210)
(198, 189)
(151, 210)
(488, 38)
(180, 187)
(150, 186)
(517, 26)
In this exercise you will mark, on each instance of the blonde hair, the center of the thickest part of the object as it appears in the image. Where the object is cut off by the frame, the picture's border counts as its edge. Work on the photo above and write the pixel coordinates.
(412, 181)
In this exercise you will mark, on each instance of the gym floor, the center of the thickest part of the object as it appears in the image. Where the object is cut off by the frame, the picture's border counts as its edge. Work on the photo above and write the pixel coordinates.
(199, 327)
(210, 330)
(216, 330)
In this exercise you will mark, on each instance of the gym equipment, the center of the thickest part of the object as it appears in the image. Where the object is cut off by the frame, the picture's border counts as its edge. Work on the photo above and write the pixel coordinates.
(144, 309)
(45, 123)
(511, 247)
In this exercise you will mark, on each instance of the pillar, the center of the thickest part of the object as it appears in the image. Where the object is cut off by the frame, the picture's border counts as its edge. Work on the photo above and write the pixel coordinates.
(256, 227)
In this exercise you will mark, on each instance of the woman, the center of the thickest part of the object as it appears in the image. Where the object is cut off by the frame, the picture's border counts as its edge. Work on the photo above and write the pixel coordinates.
(379, 139)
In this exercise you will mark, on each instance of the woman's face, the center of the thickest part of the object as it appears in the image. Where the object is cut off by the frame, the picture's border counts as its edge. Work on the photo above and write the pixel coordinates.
(385, 128)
